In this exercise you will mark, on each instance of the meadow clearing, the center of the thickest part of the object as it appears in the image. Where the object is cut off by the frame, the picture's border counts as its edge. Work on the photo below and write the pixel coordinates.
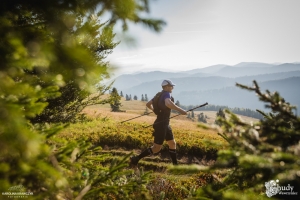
(196, 145)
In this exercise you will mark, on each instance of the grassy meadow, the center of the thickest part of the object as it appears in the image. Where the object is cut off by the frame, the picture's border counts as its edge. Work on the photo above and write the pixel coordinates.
(196, 146)
(105, 129)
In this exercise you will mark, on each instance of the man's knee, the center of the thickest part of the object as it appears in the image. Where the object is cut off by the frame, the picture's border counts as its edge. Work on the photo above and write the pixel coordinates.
(156, 148)
(172, 144)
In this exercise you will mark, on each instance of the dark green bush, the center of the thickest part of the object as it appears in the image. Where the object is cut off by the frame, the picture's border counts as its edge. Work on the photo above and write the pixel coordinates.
(51, 58)
(258, 153)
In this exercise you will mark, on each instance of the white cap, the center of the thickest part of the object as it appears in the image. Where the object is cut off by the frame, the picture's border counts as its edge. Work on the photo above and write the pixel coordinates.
(167, 82)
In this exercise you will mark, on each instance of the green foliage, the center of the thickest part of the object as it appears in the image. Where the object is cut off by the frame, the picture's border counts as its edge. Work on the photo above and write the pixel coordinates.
(268, 150)
(220, 115)
(180, 186)
(128, 97)
(202, 118)
(52, 55)
(142, 99)
(115, 100)
(105, 131)
(82, 166)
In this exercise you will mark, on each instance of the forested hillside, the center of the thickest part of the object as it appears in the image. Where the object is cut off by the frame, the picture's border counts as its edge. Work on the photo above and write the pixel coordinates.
(235, 97)
(216, 84)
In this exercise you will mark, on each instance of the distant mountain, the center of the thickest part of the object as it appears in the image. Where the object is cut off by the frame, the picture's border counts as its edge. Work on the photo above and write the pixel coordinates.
(127, 81)
(204, 83)
(233, 72)
(208, 70)
(182, 84)
(253, 64)
(217, 84)
(236, 97)
(267, 77)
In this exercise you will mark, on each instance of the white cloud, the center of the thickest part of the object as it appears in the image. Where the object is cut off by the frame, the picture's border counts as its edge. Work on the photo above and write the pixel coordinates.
(203, 33)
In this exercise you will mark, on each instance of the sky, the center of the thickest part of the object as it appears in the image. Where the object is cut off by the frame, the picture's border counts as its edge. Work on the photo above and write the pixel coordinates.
(201, 33)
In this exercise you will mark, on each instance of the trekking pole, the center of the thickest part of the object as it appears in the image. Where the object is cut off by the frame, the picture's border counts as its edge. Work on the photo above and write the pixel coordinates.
(136, 117)
(178, 114)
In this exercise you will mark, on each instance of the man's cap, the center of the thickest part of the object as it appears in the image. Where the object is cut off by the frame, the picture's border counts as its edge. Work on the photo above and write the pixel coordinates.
(167, 82)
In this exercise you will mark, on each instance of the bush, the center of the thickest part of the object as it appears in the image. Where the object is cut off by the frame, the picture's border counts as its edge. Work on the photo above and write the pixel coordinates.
(52, 56)
(258, 153)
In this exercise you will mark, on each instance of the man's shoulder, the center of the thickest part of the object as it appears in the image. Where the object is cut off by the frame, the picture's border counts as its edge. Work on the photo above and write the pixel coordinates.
(166, 95)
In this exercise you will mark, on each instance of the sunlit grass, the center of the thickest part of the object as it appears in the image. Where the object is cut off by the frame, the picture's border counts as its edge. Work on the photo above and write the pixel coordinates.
(133, 135)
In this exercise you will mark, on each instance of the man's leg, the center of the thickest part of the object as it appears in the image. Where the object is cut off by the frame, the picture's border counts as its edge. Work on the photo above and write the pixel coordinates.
(172, 145)
(159, 137)
(154, 149)
(172, 151)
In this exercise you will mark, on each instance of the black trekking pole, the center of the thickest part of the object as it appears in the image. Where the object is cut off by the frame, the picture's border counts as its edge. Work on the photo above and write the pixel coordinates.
(178, 115)
(136, 117)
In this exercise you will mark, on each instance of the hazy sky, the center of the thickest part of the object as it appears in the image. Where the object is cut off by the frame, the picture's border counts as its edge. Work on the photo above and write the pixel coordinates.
(200, 33)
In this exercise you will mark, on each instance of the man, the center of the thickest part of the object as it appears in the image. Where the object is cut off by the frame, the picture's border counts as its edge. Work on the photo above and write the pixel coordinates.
(162, 129)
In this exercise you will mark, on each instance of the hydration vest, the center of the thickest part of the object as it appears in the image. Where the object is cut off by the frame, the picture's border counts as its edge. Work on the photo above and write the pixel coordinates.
(156, 109)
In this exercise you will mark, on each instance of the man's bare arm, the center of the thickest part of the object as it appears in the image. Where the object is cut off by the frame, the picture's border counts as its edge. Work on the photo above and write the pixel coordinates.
(149, 105)
(172, 106)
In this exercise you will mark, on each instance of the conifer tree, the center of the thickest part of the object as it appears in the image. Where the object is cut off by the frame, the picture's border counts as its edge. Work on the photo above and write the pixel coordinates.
(220, 114)
(121, 94)
(142, 99)
(115, 103)
(193, 115)
(258, 153)
(52, 56)
(135, 97)
(202, 118)
(146, 97)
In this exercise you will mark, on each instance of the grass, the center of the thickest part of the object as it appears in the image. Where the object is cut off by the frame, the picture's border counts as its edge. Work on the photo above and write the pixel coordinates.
(132, 135)
(135, 107)
(105, 128)
(195, 145)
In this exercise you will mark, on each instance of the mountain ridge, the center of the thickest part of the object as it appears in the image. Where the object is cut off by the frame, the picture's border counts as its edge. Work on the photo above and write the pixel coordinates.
(127, 81)
(237, 97)
(214, 83)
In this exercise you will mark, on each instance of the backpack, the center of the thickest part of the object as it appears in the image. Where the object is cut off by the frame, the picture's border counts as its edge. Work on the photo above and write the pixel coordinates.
(156, 99)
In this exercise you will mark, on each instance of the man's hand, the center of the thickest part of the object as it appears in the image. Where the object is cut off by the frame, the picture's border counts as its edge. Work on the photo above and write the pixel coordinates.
(183, 112)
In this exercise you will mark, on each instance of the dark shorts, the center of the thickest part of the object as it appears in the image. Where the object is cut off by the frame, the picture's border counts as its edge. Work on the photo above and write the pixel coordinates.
(161, 133)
